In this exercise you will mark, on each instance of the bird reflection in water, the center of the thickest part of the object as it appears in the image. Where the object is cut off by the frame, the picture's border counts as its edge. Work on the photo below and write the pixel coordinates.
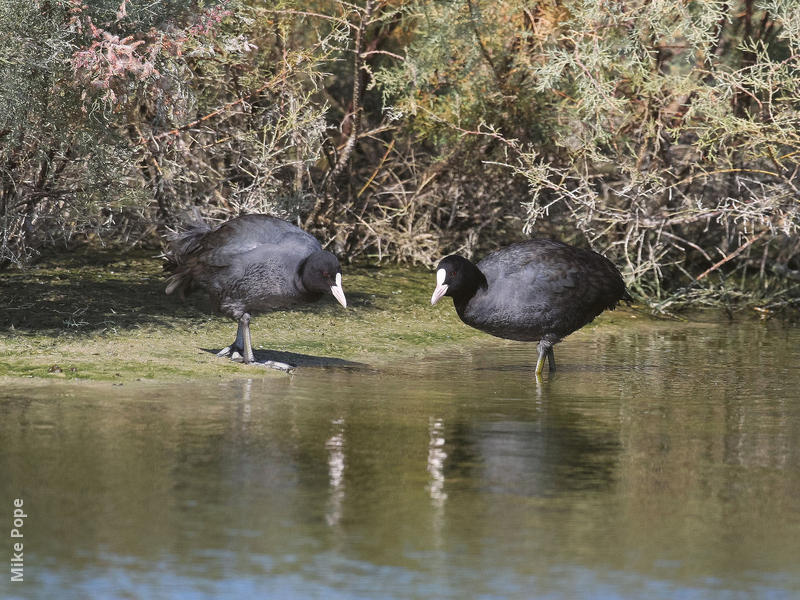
(436, 458)
(336, 465)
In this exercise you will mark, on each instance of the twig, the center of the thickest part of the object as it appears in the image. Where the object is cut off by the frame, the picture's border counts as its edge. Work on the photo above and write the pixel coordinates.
(223, 108)
(377, 169)
(392, 54)
(732, 255)
(304, 13)
(720, 171)
(358, 92)
(688, 243)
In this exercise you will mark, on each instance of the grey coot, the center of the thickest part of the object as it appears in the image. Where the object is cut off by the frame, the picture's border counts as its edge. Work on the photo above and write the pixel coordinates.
(252, 264)
(539, 290)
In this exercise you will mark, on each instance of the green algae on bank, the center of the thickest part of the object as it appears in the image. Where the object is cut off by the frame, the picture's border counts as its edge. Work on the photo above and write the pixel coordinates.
(99, 315)
(104, 316)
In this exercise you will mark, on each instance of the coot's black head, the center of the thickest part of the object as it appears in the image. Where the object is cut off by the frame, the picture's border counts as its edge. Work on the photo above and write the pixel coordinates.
(321, 273)
(457, 277)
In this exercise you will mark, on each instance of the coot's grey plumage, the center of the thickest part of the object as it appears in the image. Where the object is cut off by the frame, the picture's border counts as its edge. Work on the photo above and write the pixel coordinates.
(253, 264)
(539, 290)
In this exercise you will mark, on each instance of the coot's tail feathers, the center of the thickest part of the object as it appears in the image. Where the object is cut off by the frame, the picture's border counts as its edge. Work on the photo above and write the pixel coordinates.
(182, 245)
(626, 297)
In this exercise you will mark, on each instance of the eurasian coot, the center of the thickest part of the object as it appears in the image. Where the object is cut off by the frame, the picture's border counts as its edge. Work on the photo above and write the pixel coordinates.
(252, 264)
(539, 290)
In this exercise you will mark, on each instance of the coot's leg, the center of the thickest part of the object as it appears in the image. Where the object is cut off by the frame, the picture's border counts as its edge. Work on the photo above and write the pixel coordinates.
(237, 346)
(544, 350)
(248, 343)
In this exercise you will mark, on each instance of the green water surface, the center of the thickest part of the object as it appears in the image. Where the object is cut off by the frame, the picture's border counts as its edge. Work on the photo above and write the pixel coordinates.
(659, 462)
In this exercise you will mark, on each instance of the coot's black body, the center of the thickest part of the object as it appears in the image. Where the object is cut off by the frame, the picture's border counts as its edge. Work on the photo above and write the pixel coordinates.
(252, 264)
(539, 290)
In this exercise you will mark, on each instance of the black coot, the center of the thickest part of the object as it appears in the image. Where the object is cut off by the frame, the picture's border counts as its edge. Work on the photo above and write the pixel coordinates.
(539, 290)
(252, 264)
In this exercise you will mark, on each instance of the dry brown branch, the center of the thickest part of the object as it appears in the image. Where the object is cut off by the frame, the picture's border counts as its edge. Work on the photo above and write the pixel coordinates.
(732, 255)
(358, 91)
(377, 169)
(226, 107)
(316, 15)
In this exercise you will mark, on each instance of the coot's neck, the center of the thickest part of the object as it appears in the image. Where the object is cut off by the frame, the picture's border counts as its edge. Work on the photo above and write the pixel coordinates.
(298, 278)
(473, 282)
(302, 285)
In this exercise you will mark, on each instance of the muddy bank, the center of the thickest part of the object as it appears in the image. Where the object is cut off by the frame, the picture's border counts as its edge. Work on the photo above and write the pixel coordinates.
(103, 316)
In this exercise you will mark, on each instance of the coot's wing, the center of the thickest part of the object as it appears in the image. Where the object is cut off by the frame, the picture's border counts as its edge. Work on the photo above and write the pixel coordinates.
(550, 267)
(528, 276)
(563, 286)
(240, 237)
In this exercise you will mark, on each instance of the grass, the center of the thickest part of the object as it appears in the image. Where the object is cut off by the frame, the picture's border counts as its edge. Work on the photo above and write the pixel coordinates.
(103, 316)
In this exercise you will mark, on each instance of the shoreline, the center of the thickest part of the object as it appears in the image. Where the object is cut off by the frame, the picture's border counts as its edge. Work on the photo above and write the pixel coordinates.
(102, 316)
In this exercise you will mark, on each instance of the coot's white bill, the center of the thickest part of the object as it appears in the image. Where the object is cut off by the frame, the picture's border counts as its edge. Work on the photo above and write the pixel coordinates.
(441, 286)
(338, 292)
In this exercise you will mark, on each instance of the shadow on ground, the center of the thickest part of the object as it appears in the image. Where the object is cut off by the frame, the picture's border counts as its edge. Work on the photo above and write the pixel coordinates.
(86, 292)
(85, 305)
(296, 360)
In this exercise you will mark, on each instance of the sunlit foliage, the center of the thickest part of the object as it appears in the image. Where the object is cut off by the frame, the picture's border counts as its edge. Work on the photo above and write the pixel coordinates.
(663, 134)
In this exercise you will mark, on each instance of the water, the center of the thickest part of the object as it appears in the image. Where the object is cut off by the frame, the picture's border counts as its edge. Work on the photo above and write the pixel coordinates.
(659, 462)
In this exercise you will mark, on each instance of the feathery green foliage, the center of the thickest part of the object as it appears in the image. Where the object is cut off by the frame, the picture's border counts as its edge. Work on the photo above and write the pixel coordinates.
(663, 134)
